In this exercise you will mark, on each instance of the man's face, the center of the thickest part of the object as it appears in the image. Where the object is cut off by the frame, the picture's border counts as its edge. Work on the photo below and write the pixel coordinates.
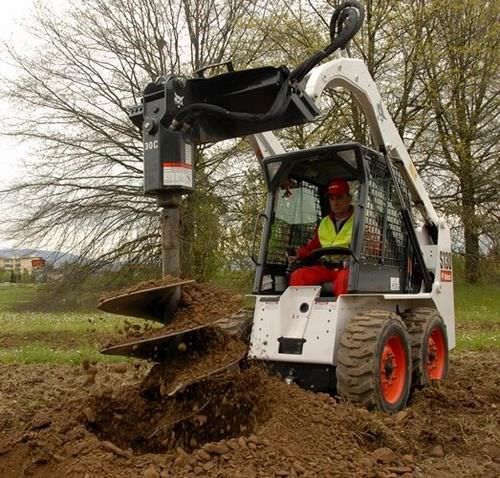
(340, 204)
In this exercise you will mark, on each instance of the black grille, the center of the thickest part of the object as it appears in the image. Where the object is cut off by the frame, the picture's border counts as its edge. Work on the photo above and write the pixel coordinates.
(295, 226)
(386, 239)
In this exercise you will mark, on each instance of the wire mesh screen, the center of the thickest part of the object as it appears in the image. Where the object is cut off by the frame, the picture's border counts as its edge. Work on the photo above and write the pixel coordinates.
(386, 239)
(403, 188)
(297, 213)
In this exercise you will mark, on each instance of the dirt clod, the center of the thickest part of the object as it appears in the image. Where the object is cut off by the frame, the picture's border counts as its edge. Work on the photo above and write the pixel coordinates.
(384, 455)
(437, 451)
(151, 472)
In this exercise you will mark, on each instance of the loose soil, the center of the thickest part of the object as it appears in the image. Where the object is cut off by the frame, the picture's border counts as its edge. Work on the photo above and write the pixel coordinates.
(118, 420)
(208, 351)
(95, 421)
(201, 304)
(148, 284)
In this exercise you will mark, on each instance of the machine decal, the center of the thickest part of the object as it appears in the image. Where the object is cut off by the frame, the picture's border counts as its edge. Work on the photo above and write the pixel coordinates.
(395, 283)
(380, 110)
(445, 262)
(178, 174)
(149, 145)
(178, 100)
(189, 153)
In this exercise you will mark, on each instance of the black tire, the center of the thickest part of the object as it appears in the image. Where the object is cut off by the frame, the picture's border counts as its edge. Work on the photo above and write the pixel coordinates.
(238, 324)
(429, 345)
(365, 343)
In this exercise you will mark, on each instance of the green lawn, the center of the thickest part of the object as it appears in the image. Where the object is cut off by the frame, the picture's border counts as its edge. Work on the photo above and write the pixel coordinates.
(58, 337)
(477, 309)
(16, 294)
(62, 337)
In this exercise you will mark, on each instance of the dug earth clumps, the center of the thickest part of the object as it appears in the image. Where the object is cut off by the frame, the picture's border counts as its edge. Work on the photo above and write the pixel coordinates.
(55, 422)
(121, 420)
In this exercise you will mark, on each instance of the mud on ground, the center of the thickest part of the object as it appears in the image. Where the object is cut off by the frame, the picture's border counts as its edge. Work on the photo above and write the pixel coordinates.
(92, 421)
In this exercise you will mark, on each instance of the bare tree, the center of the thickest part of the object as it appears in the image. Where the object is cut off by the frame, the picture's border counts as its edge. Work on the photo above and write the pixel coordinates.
(461, 76)
(83, 187)
(435, 64)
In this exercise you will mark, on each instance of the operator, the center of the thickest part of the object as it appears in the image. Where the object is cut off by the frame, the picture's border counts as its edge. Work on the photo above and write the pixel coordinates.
(334, 230)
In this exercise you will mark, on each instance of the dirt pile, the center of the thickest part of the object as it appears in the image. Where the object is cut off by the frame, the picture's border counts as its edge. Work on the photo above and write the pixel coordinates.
(121, 420)
(53, 425)
(201, 304)
(196, 356)
(227, 406)
(167, 280)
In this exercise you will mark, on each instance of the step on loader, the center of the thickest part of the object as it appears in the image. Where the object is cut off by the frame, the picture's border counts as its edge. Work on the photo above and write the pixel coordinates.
(390, 328)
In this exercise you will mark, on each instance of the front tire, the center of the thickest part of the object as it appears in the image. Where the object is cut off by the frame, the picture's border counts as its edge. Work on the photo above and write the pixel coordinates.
(374, 361)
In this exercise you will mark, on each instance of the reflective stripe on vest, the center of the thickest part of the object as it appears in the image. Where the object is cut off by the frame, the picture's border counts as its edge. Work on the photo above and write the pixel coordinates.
(328, 237)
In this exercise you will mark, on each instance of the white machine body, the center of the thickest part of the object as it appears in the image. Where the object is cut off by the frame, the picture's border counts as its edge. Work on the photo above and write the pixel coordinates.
(316, 322)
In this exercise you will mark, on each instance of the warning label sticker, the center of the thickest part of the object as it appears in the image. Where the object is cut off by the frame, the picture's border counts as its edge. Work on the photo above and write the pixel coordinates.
(394, 283)
(446, 275)
(177, 175)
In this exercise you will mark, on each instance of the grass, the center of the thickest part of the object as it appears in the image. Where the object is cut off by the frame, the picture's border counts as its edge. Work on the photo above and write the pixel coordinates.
(61, 337)
(74, 322)
(43, 353)
(477, 310)
(15, 295)
(57, 337)
(32, 337)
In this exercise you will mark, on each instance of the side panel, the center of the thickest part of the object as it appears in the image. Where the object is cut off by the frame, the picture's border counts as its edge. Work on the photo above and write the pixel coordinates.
(321, 327)
(296, 315)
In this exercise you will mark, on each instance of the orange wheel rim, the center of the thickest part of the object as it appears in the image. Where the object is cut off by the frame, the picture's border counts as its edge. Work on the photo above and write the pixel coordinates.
(436, 354)
(393, 373)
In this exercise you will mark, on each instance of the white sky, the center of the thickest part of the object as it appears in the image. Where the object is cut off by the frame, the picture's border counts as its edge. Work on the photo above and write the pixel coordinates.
(11, 16)
(12, 13)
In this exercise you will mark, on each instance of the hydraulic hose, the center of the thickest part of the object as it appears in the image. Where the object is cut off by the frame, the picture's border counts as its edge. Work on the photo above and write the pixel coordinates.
(346, 21)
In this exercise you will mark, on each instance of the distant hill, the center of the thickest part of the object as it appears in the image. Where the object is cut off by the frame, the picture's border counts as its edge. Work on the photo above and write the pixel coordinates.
(57, 258)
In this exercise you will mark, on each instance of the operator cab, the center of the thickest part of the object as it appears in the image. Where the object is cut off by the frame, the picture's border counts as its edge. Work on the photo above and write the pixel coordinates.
(380, 258)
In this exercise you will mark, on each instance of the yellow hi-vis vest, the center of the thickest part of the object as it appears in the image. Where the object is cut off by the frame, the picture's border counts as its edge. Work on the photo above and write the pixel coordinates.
(329, 237)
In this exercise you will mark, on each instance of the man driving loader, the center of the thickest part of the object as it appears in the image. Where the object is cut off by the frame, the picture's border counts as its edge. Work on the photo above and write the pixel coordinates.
(334, 230)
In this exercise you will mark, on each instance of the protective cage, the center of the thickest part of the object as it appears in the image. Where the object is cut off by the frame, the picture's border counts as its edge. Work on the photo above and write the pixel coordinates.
(382, 260)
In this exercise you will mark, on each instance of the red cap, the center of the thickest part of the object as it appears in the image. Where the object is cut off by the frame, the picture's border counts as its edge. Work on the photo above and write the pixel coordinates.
(337, 187)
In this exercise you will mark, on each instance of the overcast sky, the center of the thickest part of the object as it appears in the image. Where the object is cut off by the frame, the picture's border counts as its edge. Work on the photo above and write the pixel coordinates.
(12, 14)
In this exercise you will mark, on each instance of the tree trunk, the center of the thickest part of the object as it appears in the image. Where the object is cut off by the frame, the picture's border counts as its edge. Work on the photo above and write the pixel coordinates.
(471, 234)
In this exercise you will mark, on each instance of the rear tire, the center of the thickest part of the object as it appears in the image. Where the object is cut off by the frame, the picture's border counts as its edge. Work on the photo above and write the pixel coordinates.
(429, 340)
(374, 361)
(238, 324)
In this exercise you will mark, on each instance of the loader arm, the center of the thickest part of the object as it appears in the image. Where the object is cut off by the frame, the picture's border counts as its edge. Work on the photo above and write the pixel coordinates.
(354, 76)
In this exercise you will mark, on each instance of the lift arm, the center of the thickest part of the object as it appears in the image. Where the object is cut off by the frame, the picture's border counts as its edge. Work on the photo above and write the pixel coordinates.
(353, 75)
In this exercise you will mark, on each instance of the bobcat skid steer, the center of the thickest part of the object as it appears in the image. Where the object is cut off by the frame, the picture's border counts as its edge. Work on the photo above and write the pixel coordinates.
(391, 329)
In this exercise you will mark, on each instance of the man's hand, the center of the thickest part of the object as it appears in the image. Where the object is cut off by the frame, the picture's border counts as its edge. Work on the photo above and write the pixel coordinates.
(291, 254)
(292, 259)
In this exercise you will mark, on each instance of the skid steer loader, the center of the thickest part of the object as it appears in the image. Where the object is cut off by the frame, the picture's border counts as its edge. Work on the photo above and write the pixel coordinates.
(391, 330)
